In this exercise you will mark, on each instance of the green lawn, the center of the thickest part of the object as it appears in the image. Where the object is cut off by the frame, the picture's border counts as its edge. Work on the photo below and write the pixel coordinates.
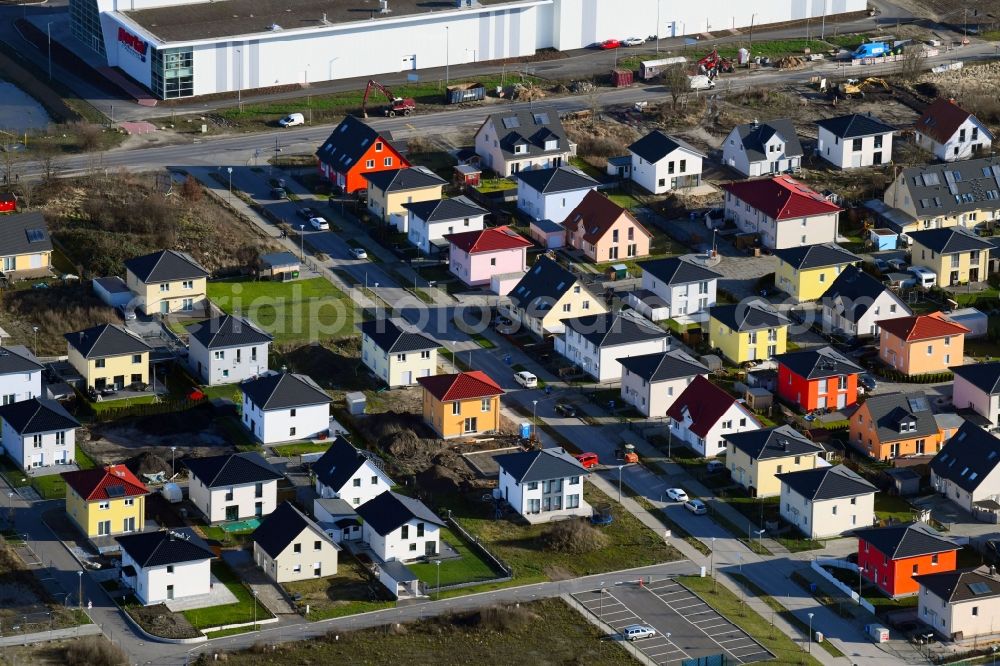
(489, 185)
(625, 200)
(52, 486)
(109, 404)
(890, 506)
(586, 167)
(350, 592)
(466, 569)
(483, 341)
(988, 295)
(775, 48)
(300, 448)
(241, 611)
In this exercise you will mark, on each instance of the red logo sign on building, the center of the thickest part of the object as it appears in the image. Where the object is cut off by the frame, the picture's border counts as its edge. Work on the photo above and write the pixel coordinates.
(135, 44)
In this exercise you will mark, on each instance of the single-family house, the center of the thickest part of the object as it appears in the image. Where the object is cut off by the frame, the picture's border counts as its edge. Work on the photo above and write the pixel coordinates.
(25, 246)
(389, 190)
(596, 343)
(546, 296)
(604, 231)
(551, 194)
(227, 349)
(761, 149)
(704, 414)
(337, 518)
(805, 272)
(461, 405)
(818, 378)
(166, 282)
(20, 375)
(951, 132)
(751, 331)
(431, 221)
(854, 141)
(354, 150)
(283, 407)
(955, 254)
(890, 425)
(165, 565)
(476, 256)
(289, 546)
(890, 557)
(397, 356)
(105, 501)
(826, 501)
(543, 484)
(348, 473)
(856, 302)
(977, 387)
(965, 469)
(961, 604)
(679, 285)
(661, 163)
(510, 142)
(782, 211)
(233, 487)
(652, 382)
(109, 356)
(756, 457)
(397, 527)
(921, 344)
(38, 433)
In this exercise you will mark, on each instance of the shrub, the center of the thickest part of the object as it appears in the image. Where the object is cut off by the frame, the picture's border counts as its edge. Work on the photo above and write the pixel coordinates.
(574, 536)
(94, 651)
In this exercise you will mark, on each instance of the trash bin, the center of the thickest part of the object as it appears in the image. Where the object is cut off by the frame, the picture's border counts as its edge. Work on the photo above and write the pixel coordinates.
(525, 431)
(819, 636)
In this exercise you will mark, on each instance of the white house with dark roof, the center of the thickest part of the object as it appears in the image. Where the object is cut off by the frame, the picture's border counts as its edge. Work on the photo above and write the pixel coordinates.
(431, 221)
(227, 349)
(38, 432)
(397, 356)
(20, 375)
(961, 604)
(652, 382)
(233, 487)
(977, 387)
(661, 163)
(951, 132)
(543, 485)
(854, 141)
(855, 302)
(966, 470)
(762, 149)
(284, 407)
(288, 546)
(826, 501)
(397, 527)
(547, 295)
(704, 414)
(510, 142)
(166, 281)
(674, 287)
(348, 473)
(162, 566)
(553, 193)
(596, 343)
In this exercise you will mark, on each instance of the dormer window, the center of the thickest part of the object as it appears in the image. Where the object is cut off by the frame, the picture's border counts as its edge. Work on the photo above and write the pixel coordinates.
(520, 149)
(551, 144)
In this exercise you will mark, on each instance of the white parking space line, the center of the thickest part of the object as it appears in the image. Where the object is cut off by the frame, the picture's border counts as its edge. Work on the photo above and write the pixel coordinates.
(689, 606)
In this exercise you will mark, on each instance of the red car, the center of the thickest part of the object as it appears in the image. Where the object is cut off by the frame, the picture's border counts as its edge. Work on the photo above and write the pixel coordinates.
(609, 44)
(588, 460)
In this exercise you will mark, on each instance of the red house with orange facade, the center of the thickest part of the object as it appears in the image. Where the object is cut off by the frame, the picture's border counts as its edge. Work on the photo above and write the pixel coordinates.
(817, 379)
(891, 556)
(353, 150)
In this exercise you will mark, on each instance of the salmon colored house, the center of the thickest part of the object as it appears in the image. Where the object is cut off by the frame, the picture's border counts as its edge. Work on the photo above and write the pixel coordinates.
(890, 425)
(890, 557)
(605, 231)
(353, 151)
(921, 344)
(461, 405)
(817, 379)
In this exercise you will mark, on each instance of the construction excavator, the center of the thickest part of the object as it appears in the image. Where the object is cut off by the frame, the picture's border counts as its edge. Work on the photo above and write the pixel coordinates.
(852, 88)
(713, 64)
(396, 106)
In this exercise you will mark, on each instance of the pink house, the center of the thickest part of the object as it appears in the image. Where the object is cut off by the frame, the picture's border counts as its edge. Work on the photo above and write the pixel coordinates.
(605, 231)
(476, 256)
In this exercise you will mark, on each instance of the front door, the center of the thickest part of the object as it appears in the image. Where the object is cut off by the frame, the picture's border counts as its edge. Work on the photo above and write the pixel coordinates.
(430, 549)
(409, 63)
(841, 401)
(258, 509)
(164, 307)
(119, 382)
(406, 377)
(170, 592)
(821, 402)
(973, 275)
(232, 512)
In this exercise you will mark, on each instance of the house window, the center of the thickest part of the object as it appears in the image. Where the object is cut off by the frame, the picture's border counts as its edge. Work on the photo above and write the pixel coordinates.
(856, 145)
(188, 284)
(425, 355)
(219, 355)
(404, 532)
(291, 432)
(487, 404)
(164, 286)
(170, 568)
(99, 363)
(374, 480)
(103, 506)
(401, 358)
(387, 162)
(533, 485)
(878, 141)
(934, 560)
(975, 610)
(471, 425)
(586, 305)
(456, 408)
(835, 509)
(370, 164)
(253, 353)
(137, 358)
(947, 342)
(413, 547)
(493, 261)
(779, 469)
(572, 501)
(297, 548)
(420, 529)
(854, 500)
(670, 167)
(797, 459)
(258, 490)
(573, 480)
(293, 412)
(129, 501)
(36, 441)
(357, 483)
(378, 146)
(229, 495)
(317, 545)
(930, 349)
(566, 307)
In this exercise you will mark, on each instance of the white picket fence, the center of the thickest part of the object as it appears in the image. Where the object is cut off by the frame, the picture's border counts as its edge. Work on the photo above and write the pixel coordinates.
(818, 567)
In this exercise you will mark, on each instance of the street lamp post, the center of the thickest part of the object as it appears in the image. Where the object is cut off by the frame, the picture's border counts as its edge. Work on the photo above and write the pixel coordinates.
(173, 456)
(302, 243)
(810, 633)
(79, 575)
(10, 505)
(760, 540)
(230, 171)
(48, 29)
(438, 567)
(712, 563)
(657, 26)
(255, 610)
(447, 56)
(602, 604)
(34, 332)
(534, 420)
(239, 80)
(750, 48)
(620, 468)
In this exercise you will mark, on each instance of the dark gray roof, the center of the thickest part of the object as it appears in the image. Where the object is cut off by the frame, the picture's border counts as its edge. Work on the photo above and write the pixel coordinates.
(391, 339)
(748, 316)
(779, 442)
(544, 284)
(16, 360)
(347, 144)
(909, 540)
(854, 125)
(968, 457)
(826, 483)
(157, 549)
(104, 341)
(961, 585)
(818, 362)
(338, 464)
(676, 270)
(540, 465)
(24, 233)
(951, 240)
(227, 331)
(548, 226)
(279, 259)
(282, 526)
(530, 128)
(649, 298)
(400, 180)
(815, 256)
(112, 285)
(165, 266)
(891, 412)
(656, 145)
(952, 187)
(283, 390)
(445, 209)
(561, 179)
(662, 366)
(232, 470)
(755, 135)
(37, 415)
(389, 511)
(858, 291)
(398, 571)
(615, 328)
(984, 376)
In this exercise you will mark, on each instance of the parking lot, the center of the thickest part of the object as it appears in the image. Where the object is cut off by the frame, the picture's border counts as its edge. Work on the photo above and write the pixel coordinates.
(686, 626)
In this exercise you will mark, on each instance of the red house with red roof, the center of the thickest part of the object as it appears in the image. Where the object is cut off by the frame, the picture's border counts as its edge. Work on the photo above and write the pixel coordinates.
(703, 413)
(476, 256)
(353, 150)
(104, 502)
(782, 212)
(817, 379)
(889, 557)
(461, 405)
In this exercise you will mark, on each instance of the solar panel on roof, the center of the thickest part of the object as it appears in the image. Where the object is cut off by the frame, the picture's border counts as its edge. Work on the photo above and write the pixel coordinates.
(35, 235)
(115, 491)
(979, 588)
(541, 118)
(931, 179)
(510, 122)
(918, 404)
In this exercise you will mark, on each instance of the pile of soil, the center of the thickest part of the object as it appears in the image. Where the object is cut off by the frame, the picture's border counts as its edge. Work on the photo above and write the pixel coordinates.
(581, 87)
(148, 463)
(790, 62)
(159, 621)
(525, 93)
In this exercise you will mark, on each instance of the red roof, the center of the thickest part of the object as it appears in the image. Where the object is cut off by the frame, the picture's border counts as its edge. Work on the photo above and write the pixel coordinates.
(488, 240)
(706, 403)
(93, 484)
(941, 119)
(463, 386)
(922, 327)
(597, 213)
(781, 197)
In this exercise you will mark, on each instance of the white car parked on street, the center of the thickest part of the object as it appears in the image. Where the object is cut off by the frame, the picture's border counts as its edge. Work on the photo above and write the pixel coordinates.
(677, 494)
(526, 379)
(319, 224)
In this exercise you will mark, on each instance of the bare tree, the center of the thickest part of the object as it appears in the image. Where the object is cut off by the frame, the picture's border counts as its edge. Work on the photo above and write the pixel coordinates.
(912, 64)
(10, 155)
(675, 80)
(47, 155)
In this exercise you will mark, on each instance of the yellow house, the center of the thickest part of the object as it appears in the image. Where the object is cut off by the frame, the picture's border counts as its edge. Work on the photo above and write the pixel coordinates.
(106, 501)
(955, 255)
(25, 246)
(805, 273)
(462, 405)
(942, 195)
(166, 281)
(108, 356)
(751, 331)
(548, 294)
(756, 456)
(389, 190)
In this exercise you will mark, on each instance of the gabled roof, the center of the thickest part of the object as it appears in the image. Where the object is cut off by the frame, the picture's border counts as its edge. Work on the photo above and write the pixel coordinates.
(540, 465)
(984, 376)
(705, 403)
(968, 457)
(227, 331)
(401, 180)
(614, 328)
(961, 585)
(557, 179)
(104, 341)
(37, 415)
(392, 339)
(529, 128)
(493, 239)
(922, 327)
(595, 214)
(24, 233)
(663, 366)
(279, 260)
(909, 540)
(283, 526)
(656, 145)
(235, 469)
(781, 197)
(858, 291)
(756, 135)
(950, 240)
(105, 483)
(818, 363)
(338, 464)
(17, 360)
(855, 125)
(805, 257)
(283, 390)
(750, 316)
(157, 549)
(165, 266)
(677, 270)
(347, 144)
(901, 416)
(942, 119)
(440, 210)
(542, 286)
(826, 483)
(779, 442)
(462, 386)
(389, 511)
(951, 188)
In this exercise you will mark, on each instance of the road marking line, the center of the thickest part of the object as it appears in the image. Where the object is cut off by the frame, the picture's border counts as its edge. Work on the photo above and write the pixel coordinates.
(732, 640)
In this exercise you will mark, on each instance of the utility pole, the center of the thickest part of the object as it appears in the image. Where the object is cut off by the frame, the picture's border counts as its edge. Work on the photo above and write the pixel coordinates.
(750, 49)
(447, 56)
(657, 26)
(48, 29)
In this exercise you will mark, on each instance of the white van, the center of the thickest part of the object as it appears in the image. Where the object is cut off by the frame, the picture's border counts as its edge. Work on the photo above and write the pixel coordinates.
(700, 82)
(292, 119)
(926, 278)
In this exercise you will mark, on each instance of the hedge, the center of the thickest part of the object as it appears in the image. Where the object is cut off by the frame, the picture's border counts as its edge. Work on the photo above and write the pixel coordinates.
(931, 378)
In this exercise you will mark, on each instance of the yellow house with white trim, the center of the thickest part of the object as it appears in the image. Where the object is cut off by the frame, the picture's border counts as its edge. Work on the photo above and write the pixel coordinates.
(167, 281)
(389, 190)
(955, 255)
(754, 457)
(25, 246)
(744, 332)
(106, 501)
(805, 273)
(548, 294)
(108, 356)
